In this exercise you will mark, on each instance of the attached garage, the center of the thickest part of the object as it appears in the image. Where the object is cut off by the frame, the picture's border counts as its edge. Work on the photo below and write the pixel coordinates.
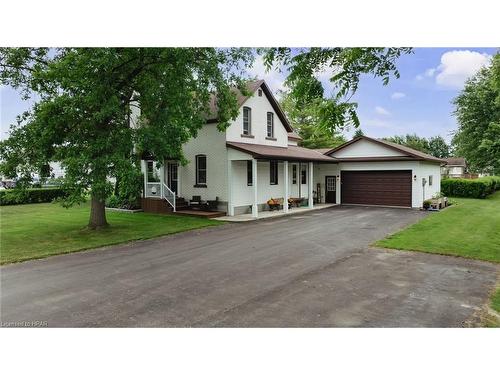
(377, 172)
(387, 188)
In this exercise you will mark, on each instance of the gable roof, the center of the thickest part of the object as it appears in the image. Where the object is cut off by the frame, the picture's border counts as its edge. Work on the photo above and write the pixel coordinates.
(457, 162)
(293, 135)
(324, 151)
(252, 87)
(408, 151)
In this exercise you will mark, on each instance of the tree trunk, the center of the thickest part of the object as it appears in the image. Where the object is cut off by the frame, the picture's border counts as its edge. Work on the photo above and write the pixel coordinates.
(97, 214)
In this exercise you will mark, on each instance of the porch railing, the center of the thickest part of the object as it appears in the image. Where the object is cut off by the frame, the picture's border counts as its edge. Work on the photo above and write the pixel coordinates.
(168, 195)
(160, 190)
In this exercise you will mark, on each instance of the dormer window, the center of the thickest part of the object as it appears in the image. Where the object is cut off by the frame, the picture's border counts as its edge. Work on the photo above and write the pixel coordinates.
(247, 121)
(270, 125)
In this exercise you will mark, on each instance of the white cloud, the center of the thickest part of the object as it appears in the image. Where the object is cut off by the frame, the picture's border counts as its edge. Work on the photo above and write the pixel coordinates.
(419, 77)
(382, 111)
(398, 95)
(273, 78)
(457, 66)
(430, 72)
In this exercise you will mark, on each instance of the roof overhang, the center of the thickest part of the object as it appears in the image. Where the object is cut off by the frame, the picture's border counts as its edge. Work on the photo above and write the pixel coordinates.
(409, 153)
(290, 153)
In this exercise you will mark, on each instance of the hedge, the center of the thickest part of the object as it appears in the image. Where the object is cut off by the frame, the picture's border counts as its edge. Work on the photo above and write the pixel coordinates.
(473, 188)
(16, 196)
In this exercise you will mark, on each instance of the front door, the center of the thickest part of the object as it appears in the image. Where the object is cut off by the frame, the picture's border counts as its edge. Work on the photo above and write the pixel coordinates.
(330, 189)
(172, 177)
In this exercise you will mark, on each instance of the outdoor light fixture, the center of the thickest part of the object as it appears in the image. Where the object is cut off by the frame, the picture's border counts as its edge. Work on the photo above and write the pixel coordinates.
(415, 178)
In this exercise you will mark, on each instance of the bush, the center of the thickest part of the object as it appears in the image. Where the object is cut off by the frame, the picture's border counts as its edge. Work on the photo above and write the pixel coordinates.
(114, 202)
(427, 204)
(476, 188)
(38, 195)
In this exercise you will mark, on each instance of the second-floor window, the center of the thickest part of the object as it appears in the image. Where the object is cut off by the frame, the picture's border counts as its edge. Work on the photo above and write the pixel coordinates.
(247, 121)
(270, 125)
(201, 169)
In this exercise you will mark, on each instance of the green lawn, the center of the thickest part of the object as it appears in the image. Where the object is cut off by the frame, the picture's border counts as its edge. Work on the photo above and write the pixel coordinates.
(470, 228)
(39, 230)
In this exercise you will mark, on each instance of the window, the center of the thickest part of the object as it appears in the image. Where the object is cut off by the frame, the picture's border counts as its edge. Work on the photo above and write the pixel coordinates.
(430, 180)
(247, 121)
(270, 125)
(303, 174)
(201, 169)
(273, 172)
(249, 173)
(153, 173)
(260, 92)
(294, 174)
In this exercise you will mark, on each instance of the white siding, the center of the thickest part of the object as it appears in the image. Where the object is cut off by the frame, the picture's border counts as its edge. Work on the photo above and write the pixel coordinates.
(212, 143)
(365, 148)
(322, 170)
(260, 106)
(425, 170)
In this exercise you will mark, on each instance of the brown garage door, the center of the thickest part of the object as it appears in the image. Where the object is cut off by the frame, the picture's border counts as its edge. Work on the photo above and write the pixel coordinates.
(387, 188)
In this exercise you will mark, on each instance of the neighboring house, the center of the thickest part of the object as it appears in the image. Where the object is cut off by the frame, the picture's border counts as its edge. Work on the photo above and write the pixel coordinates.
(454, 168)
(257, 158)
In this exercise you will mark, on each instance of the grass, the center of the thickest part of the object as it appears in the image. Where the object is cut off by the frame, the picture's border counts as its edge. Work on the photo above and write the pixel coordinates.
(470, 228)
(35, 231)
(495, 301)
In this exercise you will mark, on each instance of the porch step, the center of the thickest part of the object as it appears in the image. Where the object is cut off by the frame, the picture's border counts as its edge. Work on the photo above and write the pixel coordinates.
(199, 213)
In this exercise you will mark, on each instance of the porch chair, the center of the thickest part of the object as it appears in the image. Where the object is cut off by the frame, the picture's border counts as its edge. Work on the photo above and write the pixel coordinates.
(196, 202)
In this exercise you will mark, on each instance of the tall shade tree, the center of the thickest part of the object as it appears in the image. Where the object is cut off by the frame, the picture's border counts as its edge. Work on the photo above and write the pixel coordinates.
(345, 66)
(435, 146)
(304, 114)
(477, 109)
(85, 98)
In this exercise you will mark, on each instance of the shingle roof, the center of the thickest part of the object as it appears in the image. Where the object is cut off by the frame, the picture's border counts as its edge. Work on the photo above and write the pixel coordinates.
(293, 135)
(280, 153)
(252, 86)
(323, 150)
(413, 154)
(456, 162)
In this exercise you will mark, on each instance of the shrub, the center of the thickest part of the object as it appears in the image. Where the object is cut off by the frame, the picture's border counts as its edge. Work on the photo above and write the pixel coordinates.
(476, 188)
(26, 196)
(427, 204)
(114, 202)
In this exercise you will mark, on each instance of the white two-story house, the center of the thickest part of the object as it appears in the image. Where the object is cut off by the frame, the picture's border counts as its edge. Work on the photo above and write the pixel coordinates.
(257, 158)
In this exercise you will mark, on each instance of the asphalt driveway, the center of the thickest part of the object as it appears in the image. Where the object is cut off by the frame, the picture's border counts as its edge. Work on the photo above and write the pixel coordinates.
(313, 270)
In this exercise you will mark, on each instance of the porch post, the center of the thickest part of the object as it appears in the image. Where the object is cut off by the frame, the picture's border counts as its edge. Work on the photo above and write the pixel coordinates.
(310, 185)
(286, 182)
(178, 180)
(144, 170)
(255, 209)
(162, 179)
(230, 207)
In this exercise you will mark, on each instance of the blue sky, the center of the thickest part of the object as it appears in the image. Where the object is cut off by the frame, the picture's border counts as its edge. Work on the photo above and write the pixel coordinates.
(419, 102)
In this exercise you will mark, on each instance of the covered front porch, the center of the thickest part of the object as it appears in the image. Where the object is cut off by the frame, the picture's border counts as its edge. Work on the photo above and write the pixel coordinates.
(257, 174)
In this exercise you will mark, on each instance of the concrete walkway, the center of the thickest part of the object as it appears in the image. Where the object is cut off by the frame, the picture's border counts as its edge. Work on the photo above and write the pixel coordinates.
(310, 270)
(274, 214)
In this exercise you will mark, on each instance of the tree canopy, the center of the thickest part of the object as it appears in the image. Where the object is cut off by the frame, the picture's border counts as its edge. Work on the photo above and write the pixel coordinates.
(304, 114)
(345, 66)
(85, 99)
(477, 109)
(435, 146)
